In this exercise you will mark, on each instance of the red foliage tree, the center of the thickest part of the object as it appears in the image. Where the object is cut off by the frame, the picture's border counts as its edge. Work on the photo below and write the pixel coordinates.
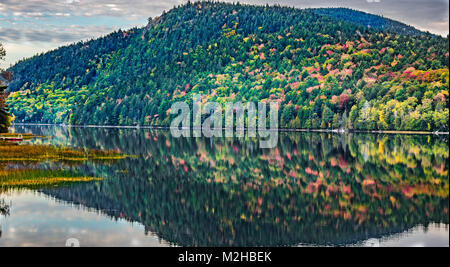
(343, 99)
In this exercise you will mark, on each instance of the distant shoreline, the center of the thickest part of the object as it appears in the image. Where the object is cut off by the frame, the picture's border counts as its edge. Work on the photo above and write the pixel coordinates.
(279, 129)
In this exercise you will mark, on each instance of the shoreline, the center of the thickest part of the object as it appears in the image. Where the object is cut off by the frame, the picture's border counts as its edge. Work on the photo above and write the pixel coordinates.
(279, 129)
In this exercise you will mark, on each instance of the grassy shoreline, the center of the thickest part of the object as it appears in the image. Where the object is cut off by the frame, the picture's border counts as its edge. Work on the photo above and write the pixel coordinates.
(35, 179)
(279, 129)
(14, 153)
(25, 136)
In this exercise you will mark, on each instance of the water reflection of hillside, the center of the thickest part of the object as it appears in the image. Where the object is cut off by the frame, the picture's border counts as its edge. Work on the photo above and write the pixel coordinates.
(312, 188)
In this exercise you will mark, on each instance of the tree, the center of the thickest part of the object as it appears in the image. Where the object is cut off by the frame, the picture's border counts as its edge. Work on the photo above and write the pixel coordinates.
(327, 117)
(352, 123)
(5, 118)
(337, 123)
(440, 119)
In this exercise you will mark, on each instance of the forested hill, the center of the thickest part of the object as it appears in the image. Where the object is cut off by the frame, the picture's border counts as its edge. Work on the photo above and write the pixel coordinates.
(326, 67)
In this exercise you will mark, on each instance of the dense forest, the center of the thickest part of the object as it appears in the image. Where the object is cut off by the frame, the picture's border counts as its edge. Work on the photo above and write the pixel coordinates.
(5, 118)
(327, 68)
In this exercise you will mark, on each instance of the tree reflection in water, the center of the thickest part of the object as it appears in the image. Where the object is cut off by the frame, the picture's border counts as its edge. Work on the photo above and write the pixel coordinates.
(4, 211)
(317, 189)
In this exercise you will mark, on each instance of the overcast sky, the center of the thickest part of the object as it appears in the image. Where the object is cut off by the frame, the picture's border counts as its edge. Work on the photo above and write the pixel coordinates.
(31, 26)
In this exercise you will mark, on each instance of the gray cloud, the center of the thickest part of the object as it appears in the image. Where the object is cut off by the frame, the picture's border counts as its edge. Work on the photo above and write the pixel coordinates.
(49, 8)
(52, 34)
(46, 20)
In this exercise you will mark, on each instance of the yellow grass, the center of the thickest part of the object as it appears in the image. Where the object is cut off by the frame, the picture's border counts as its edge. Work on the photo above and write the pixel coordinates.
(47, 181)
(25, 136)
(26, 152)
(36, 179)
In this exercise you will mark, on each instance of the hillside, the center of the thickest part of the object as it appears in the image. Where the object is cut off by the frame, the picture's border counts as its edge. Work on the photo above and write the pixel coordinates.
(326, 67)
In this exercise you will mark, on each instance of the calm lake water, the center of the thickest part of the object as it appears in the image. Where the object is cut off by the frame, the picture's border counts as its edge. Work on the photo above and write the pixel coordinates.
(311, 190)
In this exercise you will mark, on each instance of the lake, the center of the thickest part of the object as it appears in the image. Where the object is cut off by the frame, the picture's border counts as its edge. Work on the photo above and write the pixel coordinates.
(312, 189)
